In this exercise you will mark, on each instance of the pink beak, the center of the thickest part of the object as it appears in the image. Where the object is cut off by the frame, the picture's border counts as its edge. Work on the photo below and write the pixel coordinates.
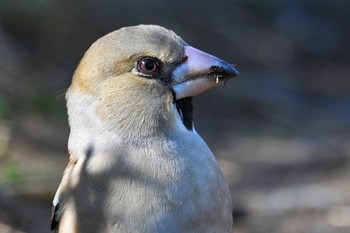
(200, 72)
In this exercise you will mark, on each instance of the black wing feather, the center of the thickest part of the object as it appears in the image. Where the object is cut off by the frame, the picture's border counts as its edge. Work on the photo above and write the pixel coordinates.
(56, 216)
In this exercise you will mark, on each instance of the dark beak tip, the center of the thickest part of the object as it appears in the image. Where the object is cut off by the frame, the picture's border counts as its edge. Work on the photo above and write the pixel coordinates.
(235, 73)
(230, 69)
(233, 70)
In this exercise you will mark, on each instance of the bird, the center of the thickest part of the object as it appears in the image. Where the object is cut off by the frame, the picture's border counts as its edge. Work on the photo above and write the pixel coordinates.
(136, 163)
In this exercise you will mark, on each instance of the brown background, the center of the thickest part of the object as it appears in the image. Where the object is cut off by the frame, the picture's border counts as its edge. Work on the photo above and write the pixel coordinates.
(280, 130)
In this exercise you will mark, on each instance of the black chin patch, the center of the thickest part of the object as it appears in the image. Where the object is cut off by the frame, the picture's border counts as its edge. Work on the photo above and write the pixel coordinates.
(185, 108)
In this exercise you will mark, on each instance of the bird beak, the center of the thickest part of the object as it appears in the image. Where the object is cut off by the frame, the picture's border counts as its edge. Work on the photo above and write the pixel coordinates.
(199, 72)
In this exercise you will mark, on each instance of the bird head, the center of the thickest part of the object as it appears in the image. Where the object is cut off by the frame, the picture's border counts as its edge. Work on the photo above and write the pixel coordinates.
(139, 78)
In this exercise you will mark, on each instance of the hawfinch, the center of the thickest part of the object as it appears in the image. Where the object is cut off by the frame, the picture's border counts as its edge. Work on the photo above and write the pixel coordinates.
(136, 163)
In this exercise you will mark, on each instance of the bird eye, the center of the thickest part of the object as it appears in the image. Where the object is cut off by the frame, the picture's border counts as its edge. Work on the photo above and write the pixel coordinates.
(148, 66)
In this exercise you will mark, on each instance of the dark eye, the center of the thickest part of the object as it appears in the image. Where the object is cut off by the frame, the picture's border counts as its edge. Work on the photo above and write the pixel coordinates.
(149, 66)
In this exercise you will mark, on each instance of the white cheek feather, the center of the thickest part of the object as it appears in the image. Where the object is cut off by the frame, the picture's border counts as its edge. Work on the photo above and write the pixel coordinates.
(88, 132)
(87, 129)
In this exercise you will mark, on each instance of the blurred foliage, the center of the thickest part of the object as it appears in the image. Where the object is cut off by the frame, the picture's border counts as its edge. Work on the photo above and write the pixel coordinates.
(281, 128)
(42, 101)
(4, 107)
(10, 172)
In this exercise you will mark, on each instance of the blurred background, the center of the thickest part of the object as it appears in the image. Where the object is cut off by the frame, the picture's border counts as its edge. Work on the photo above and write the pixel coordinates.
(280, 131)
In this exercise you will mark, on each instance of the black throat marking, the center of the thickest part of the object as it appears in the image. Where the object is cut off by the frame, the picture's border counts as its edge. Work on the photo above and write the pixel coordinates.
(185, 108)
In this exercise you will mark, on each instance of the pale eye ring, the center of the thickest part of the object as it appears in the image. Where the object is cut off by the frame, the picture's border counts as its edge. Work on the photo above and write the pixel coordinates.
(148, 66)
